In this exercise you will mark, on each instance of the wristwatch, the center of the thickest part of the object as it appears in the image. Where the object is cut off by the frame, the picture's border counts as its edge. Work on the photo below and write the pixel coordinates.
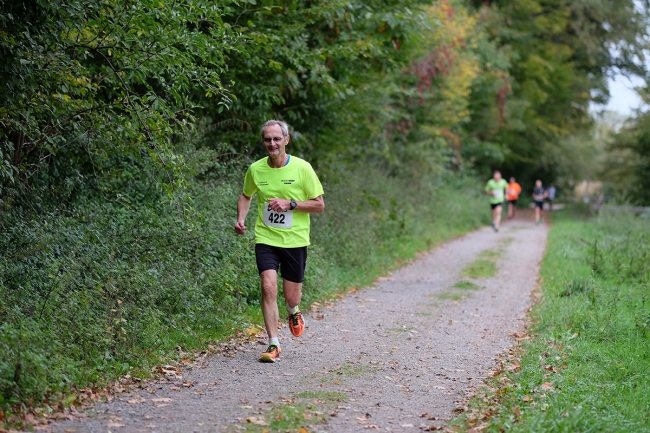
(293, 204)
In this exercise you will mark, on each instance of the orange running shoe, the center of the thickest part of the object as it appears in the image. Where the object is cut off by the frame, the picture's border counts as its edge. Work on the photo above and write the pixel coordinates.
(296, 324)
(271, 354)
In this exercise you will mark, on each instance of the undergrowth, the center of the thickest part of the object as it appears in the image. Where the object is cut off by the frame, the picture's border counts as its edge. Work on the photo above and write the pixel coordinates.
(586, 367)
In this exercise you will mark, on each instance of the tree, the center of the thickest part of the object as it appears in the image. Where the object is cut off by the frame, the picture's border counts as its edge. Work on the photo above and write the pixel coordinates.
(93, 88)
(627, 166)
(561, 53)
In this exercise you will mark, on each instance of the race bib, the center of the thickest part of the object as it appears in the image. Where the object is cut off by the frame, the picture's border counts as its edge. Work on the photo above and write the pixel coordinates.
(498, 193)
(281, 220)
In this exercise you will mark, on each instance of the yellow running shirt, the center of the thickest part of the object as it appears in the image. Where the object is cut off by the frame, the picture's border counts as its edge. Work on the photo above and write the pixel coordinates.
(498, 188)
(297, 180)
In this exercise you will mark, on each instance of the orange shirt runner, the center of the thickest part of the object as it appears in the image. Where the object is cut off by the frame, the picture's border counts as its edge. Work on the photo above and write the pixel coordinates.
(512, 191)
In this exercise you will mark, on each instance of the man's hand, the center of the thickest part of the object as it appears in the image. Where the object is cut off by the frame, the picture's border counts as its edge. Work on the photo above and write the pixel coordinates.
(243, 205)
(240, 228)
(279, 204)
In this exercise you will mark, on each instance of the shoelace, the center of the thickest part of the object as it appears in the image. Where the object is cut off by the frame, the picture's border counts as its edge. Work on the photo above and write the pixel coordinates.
(271, 348)
(294, 319)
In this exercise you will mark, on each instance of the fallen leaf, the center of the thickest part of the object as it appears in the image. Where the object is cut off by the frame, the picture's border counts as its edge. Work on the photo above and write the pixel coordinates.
(174, 388)
(256, 420)
(303, 430)
(162, 400)
(29, 419)
(380, 279)
(528, 398)
(62, 416)
(547, 386)
(137, 401)
(150, 426)
(115, 424)
(188, 384)
(514, 367)
(519, 335)
(70, 430)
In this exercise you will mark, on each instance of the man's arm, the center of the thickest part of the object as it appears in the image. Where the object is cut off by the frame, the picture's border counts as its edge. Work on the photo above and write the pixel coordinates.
(243, 206)
(487, 189)
(315, 205)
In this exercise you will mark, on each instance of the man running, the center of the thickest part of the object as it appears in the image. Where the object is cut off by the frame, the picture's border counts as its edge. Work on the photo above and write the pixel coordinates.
(550, 197)
(496, 187)
(512, 194)
(539, 194)
(288, 190)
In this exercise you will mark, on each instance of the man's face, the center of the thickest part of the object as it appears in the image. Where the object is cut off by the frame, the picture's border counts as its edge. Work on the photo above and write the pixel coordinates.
(512, 180)
(274, 141)
(497, 176)
(538, 183)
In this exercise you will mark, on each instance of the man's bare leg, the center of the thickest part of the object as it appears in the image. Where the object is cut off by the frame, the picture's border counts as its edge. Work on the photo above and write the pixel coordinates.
(292, 293)
(270, 302)
(496, 213)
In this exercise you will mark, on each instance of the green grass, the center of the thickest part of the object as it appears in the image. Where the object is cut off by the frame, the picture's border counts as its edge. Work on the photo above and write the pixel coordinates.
(491, 255)
(587, 369)
(453, 296)
(306, 410)
(480, 268)
(349, 370)
(467, 285)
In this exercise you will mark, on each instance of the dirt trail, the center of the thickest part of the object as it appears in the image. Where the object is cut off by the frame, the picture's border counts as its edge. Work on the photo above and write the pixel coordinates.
(378, 359)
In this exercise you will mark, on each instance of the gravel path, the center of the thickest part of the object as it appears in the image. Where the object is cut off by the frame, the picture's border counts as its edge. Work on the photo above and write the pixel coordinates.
(398, 356)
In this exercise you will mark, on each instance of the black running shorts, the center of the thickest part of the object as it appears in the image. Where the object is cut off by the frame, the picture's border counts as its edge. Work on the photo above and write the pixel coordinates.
(539, 204)
(513, 202)
(290, 261)
(494, 206)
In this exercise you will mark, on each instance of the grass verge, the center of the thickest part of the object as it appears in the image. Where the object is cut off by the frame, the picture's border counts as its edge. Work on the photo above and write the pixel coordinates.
(586, 367)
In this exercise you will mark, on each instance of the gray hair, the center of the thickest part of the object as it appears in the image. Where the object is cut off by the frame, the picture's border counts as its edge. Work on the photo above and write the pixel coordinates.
(280, 123)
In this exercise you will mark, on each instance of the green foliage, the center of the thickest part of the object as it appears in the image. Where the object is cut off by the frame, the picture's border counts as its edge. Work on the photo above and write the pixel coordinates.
(92, 89)
(560, 54)
(92, 293)
(627, 166)
(308, 57)
(586, 367)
